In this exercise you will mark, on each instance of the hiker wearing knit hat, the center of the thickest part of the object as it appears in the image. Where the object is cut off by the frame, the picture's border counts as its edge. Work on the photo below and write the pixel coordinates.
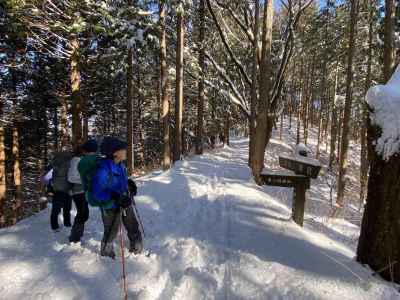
(90, 146)
(110, 147)
(109, 188)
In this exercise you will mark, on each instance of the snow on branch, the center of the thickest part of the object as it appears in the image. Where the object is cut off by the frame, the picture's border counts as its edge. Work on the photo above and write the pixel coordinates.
(246, 29)
(227, 47)
(235, 96)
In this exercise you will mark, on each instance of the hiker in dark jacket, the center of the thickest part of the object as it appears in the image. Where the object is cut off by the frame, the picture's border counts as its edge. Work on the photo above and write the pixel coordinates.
(78, 192)
(61, 186)
(110, 188)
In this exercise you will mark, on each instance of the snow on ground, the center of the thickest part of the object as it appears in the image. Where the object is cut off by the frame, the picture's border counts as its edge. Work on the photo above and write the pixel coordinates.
(213, 234)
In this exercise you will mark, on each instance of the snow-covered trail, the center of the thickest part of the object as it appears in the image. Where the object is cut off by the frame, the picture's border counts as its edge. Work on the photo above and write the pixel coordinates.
(213, 234)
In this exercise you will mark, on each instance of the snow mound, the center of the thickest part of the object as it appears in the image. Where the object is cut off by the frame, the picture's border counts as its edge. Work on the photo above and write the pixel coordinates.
(302, 150)
(385, 102)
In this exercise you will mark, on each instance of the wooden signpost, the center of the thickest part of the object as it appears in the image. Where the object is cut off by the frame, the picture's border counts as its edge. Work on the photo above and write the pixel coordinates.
(303, 169)
(301, 165)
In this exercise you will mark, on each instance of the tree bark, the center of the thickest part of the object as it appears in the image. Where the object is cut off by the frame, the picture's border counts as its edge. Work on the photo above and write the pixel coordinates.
(264, 118)
(179, 84)
(379, 243)
(334, 122)
(364, 155)
(129, 112)
(200, 103)
(227, 128)
(166, 159)
(388, 49)
(348, 103)
(3, 186)
(17, 197)
(254, 97)
(77, 101)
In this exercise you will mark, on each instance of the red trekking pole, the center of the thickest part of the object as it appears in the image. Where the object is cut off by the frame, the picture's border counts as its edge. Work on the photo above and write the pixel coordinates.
(122, 244)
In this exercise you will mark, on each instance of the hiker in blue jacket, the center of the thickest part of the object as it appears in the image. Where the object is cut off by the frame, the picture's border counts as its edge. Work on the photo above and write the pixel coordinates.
(110, 188)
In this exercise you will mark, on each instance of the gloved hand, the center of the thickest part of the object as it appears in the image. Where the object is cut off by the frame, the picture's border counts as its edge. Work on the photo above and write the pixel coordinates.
(123, 201)
(132, 187)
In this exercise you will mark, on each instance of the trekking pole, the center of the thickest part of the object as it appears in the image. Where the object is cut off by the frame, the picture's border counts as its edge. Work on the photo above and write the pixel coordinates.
(138, 217)
(122, 244)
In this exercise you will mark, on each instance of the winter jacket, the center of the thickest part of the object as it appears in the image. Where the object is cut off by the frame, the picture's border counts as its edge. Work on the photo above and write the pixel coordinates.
(109, 178)
(60, 172)
(74, 177)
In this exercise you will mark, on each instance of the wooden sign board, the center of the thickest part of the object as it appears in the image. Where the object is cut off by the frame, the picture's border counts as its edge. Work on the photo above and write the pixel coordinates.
(285, 179)
(301, 165)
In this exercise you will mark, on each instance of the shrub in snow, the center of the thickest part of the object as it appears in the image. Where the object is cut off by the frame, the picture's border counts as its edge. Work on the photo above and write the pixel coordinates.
(384, 100)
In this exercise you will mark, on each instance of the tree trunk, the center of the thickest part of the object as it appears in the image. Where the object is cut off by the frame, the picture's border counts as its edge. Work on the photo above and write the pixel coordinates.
(227, 128)
(264, 119)
(254, 97)
(200, 104)
(17, 203)
(139, 117)
(334, 122)
(179, 84)
(17, 197)
(77, 101)
(166, 159)
(364, 155)
(309, 101)
(379, 243)
(129, 112)
(388, 49)
(3, 187)
(64, 136)
(348, 103)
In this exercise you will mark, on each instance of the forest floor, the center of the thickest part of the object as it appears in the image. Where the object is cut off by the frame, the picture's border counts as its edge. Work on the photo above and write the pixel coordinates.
(212, 233)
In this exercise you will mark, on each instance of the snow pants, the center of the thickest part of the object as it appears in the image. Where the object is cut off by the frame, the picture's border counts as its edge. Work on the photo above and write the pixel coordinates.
(61, 200)
(82, 216)
(112, 220)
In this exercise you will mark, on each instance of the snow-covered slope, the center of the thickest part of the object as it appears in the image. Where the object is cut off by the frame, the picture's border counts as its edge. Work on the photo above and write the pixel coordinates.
(213, 234)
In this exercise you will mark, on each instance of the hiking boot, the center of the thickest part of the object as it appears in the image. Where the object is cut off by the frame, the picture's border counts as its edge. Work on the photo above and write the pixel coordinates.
(76, 233)
(136, 247)
(107, 250)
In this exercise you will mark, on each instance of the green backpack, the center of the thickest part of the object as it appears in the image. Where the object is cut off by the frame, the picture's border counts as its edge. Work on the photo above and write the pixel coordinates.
(87, 168)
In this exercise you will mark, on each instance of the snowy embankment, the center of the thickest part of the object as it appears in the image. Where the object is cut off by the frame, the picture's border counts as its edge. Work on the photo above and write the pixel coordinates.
(212, 233)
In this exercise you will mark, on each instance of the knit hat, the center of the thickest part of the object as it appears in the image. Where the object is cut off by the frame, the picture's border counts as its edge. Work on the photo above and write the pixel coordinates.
(90, 146)
(111, 145)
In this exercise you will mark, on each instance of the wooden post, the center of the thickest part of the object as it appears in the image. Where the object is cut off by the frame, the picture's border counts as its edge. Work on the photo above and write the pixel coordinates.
(299, 200)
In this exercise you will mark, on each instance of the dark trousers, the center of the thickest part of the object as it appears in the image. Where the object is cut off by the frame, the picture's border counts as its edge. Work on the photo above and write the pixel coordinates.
(112, 220)
(82, 216)
(61, 200)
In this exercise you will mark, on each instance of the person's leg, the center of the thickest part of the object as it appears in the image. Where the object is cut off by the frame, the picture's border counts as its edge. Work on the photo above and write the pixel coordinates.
(82, 216)
(56, 206)
(131, 223)
(111, 221)
(67, 209)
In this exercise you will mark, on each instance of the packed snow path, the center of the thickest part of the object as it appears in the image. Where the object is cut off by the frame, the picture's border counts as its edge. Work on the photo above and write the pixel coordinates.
(213, 234)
